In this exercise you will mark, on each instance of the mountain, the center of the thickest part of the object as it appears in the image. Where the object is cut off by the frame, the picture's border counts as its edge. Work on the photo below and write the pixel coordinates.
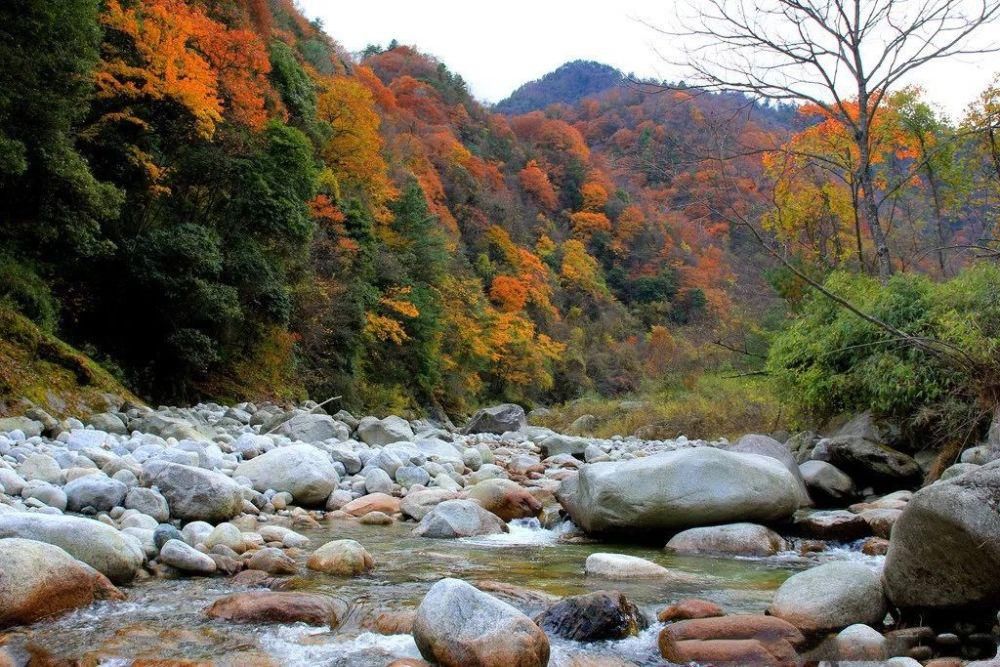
(567, 85)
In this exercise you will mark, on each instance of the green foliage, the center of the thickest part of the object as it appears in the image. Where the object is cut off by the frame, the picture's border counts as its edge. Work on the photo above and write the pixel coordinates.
(24, 291)
(293, 84)
(830, 361)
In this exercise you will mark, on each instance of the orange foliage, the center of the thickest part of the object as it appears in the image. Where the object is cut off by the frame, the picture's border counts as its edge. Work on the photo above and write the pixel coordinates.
(508, 293)
(536, 182)
(585, 223)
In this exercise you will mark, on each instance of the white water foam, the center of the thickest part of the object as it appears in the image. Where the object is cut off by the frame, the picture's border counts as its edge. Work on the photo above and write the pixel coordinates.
(523, 533)
(298, 646)
(639, 650)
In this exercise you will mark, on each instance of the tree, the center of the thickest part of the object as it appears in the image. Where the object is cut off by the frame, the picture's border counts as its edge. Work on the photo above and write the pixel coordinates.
(828, 53)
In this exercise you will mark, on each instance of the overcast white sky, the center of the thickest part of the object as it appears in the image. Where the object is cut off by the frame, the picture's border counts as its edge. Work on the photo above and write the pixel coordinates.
(498, 46)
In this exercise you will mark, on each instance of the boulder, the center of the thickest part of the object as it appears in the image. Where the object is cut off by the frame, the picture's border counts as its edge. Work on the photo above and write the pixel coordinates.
(459, 626)
(831, 597)
(373, 502)
(558, 443)
(278, 607)
(497, 419)
(740, 639)
(827, 484)
(301, 470)
(116, 556)
(181, 556)
(765, 445)
(41, 467)
(689, 608)
(945, 546)
(508, 500)
(832, 525)
(194, 494)
(171, 427)
(677, 490)
(379, 432)
(149, 502)
(869, 463)
(881, 521)
(459, 518)
(734, 539)
(309, 427)
(861, 642)
(418, 504)
(40, 580)
(620, 566)
(341, 557)
(598, 616)
(99, 492)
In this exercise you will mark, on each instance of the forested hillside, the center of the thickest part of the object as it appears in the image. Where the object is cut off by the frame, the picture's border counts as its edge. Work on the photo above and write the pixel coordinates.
(213, 199)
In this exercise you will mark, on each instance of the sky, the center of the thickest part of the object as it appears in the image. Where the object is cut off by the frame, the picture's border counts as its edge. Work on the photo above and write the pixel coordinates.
(498, 46)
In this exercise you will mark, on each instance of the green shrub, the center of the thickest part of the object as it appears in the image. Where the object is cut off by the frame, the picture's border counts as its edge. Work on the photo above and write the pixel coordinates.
(831, 361)
(22, 289)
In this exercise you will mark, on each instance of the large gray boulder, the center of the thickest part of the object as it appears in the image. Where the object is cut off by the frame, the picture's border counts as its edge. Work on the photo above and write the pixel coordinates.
(40, 580)
(558, 443)
(827, 484)
(309, 427)
(765, 445)
(378, 432)
(457, 625)
(498, 419)
(302, 470)
(944, 551)
(194, 494)
(734, 539)
(869, 462)
(682, 489)
(830, 597)
(459, 518)
(116, 556)
(97, 491)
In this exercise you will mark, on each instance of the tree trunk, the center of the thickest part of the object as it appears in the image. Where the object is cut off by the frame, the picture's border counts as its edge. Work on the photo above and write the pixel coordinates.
(867, 183)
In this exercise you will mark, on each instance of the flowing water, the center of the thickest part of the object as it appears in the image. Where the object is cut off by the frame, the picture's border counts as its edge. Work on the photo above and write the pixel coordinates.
(163, 618)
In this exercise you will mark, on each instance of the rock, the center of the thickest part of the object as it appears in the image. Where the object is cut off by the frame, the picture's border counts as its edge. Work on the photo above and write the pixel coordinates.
(39, 580)
(46, 493)
(114, 555)
(373, 502)
(832, 525)
(948, 540)
(681, 489)
(29, 427)
(765, 445)
(377, 481)
(827, 484)
(736, 539)
(684, 610)
(741, 639)
(41, 467)
(379, 432)
(375, 519)
(508, 500)
(459, 626)
(860, 642)
(310, 428)
(97, 491)
(957, 470)
(869, 462)
(225, 534)
(881, 521)
(194, 494)
(11, 482)
(875, 546)
(558, 443)
(407, 476)
(598, 616)
(109, 423)
(301, 470)
(288, 537)
(459, 518)
(272, 561)
(278, 607)
(170, 427)
(830, 597)
(620, 566)
(345, 558)
(497, 419)
(418, 504)
(179, 555)
(149, 502)
(164, 533)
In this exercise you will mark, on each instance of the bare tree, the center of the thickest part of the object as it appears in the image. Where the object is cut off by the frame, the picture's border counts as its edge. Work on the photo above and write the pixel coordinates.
(844, 56)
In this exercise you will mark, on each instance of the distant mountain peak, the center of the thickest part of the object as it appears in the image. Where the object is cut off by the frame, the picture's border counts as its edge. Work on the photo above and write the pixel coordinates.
(568, 84)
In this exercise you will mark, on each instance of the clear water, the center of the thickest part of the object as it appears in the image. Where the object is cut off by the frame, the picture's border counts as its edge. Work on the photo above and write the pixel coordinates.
(163, 619)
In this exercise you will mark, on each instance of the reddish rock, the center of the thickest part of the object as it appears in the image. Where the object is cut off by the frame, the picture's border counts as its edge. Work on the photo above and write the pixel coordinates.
(508, 500)
(282, 607)
(688, 609)
(721, 652)
(391, 622)
(732, 639)
(373, 502)
(875, 546)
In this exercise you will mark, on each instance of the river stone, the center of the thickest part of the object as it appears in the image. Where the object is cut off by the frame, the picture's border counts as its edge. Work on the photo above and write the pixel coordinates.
(288, 537)
(689, 608)
(377, 481)
(164, 533)
(108, 422)
(116, 556)
(29, 427)
(508, 500)
(498, 419)
(827, 484)
(379, 432)
(765, 445)
(860, 642)
(225, 534)
(408, 476)
(171, 427)
(272, 561)
(418, 504)
(598, 616)
(97, 491)
(278, 607)
(341, 557)
(869, 462)
(301, 470)
(957, 470)
(149, 502)
(459, 518)
(41, 467)
(557, 443)
(305, 427)
(373, 502)
(39, 580)
(194, 494)
(739, 639)
(945, 547)
(620, 566)
(459, 626)
(11, 482)
(830, 597)
(735, 539)
(46, 493)
(832, 525)
(677, 490)
(180, 555)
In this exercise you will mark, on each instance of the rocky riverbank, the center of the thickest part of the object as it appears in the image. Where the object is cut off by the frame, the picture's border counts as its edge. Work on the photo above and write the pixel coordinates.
(274, 506)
